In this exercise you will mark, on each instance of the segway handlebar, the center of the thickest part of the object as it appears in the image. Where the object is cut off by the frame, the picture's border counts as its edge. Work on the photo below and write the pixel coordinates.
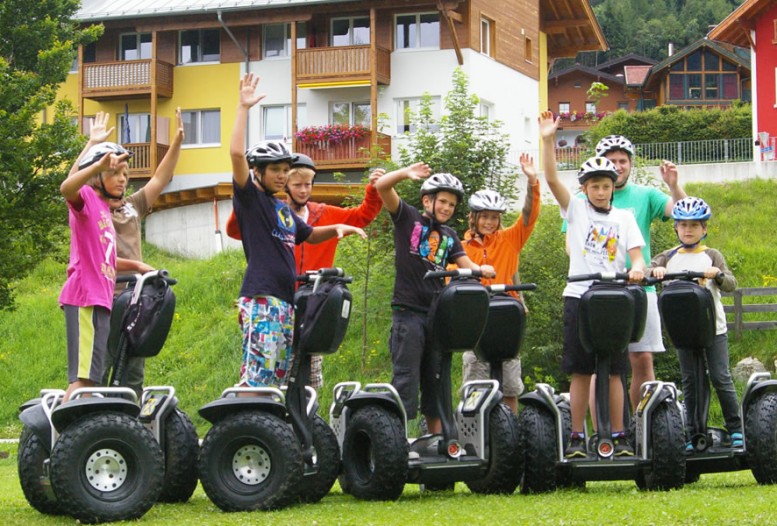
(457, 273)
(510, 288)
(325, 274)
(600, 276)
(687, 275)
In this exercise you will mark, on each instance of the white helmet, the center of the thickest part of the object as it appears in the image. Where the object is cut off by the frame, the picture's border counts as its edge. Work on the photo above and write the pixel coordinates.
(99, 150)
(442, 183)
(612, 143)
(487, 200)
(595, 166)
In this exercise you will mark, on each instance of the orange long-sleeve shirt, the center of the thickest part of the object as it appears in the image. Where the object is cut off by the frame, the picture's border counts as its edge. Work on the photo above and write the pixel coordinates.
(502, 249)
(310, 256)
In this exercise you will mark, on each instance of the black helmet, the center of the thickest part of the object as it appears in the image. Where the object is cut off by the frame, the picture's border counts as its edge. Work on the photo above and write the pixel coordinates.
(597, 166)
(98, 151)
(442, 183)
(267, 152)
(300, 160)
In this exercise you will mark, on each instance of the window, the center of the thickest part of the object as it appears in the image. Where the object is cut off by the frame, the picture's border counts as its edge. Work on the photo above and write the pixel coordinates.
(486, 36)
(199, 45)
(694, 61)
(407, 110)
(135, 46)
(730, 90)
(590, 107)
(353, 31)
(563, 107)
(276, 121)
(486, 110)
(694, 86)
(351, 113)
(139, 129)
(711, 86)
(527, 49)
(277, 39)
(623, 105)
(711, 61)
(418, 31)
(201, 127)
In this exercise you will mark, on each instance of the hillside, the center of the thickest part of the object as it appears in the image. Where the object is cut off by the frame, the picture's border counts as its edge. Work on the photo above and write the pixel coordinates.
(203, 351)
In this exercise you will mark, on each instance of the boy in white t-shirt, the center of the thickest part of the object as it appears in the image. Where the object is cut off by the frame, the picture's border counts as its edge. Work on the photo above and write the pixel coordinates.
(599, 238)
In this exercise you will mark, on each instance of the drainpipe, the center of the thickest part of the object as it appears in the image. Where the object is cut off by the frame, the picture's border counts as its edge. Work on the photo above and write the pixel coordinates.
(245, 55)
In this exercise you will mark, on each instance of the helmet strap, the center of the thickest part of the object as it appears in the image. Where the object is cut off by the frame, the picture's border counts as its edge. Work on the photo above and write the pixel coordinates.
(599, 209)
(105, 192)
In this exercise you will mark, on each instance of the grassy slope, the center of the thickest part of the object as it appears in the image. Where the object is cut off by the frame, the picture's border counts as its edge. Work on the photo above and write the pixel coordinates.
(202, 353)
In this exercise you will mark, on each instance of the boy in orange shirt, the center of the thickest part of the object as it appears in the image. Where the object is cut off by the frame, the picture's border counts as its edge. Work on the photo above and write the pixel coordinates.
(487, 243)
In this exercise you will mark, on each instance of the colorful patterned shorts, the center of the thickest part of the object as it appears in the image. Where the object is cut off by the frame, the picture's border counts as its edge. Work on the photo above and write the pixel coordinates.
(268, 329)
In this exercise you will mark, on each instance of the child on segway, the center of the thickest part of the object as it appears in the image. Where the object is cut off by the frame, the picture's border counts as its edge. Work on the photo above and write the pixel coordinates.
(690, 216)
(599, 239)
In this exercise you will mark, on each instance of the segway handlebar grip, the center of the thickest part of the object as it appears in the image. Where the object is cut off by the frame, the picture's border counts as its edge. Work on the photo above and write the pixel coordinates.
(510, 288)
(457, 273)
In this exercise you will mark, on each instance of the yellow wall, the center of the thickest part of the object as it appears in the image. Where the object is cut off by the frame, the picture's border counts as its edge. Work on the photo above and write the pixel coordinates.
(195, 88)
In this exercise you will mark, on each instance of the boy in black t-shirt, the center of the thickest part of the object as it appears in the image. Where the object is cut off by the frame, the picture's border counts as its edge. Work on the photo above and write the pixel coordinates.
(269, 232)
(422, 242)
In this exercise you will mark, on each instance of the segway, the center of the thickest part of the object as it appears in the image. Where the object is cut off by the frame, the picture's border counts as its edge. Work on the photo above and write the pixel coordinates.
(267, 447)
(610, 315)
(477, 446)
(100, 457)
(688, 314)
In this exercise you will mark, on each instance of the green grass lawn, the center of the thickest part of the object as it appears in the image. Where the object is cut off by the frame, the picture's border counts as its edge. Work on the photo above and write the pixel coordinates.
(723, 498)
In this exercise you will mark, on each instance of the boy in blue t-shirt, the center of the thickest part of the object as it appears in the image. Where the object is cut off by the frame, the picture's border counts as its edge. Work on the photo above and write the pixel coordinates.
(269, 232)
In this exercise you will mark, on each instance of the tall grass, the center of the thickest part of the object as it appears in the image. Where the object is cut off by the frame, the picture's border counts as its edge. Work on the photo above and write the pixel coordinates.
(202, 353)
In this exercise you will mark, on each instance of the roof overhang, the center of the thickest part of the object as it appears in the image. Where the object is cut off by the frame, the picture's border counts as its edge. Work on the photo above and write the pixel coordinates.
(735, 28)
(571, 26)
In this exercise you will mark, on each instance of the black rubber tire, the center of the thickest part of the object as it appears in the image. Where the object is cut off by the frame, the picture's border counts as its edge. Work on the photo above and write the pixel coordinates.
(124, 484)
(30, 464)
(262, 440)
(181, 448)
(667, 450)
(327, 458)
(761, 437)
(505, 466)
(538, 445)
(375, 454)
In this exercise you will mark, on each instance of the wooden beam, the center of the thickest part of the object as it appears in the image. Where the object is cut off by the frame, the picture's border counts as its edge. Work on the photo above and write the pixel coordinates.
(560, 26)
(456, 46)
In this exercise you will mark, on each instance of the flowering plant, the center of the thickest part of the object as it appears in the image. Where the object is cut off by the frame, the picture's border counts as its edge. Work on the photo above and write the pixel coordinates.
(335, 133)
(588, 115)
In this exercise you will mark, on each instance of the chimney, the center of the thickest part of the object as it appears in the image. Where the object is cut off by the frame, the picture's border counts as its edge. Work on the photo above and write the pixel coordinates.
(670, 52)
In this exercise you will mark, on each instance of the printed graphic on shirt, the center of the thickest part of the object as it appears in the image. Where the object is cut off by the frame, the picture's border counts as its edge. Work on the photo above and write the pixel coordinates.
(285, 231)
(108, 242)
(430, 244)
(601, 243)
(128, 210)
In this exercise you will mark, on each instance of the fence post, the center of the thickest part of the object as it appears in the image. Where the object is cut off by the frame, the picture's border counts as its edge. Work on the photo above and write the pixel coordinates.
(679, 153)
(725, 149)
(738, 314)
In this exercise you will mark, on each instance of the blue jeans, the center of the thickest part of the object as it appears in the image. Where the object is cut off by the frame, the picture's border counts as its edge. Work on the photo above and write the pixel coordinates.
(720, 376)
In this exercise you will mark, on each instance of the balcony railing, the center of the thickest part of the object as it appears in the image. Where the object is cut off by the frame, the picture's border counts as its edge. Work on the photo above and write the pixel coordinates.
(140, 164)
(338, 64)
(126, 78)
(351, 153)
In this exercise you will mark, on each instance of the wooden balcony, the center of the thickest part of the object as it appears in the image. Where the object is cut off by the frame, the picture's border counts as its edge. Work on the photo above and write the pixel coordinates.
(328, 66)
(140, 164)
(126, 79)
(350, 154)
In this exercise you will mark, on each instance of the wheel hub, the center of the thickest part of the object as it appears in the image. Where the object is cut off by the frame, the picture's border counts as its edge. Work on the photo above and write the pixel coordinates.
(106, 470)
(251, 464)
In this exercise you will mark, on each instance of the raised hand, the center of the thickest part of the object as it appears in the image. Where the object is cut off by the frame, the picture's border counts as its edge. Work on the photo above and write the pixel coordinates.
(376, 174)
(248, 95)
(97, 128)
(418, 171)
(548, 125)
(527, 166)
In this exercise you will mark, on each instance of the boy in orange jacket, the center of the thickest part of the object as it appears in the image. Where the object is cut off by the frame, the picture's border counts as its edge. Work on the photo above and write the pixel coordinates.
(487, 243)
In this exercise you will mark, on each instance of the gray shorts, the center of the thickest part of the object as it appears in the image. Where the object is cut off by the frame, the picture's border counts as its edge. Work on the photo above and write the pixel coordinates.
(652, 340)
(474, 369)
(87, 330)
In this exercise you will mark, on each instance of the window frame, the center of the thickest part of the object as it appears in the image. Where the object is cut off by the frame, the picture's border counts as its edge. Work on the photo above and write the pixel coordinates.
(414, 103)
(351, 20)
(417, 45)
(138, 42)
(288, 136)
(200, 47)
(135, 130)
(487, 37)
(351, 113)
(561, 107)
(197, 140)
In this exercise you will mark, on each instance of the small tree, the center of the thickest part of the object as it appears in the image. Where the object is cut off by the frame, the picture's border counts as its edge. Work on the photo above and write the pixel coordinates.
(37, 47)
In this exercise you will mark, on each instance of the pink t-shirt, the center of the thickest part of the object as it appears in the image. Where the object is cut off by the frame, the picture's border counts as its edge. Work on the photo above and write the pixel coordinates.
(91, 273)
